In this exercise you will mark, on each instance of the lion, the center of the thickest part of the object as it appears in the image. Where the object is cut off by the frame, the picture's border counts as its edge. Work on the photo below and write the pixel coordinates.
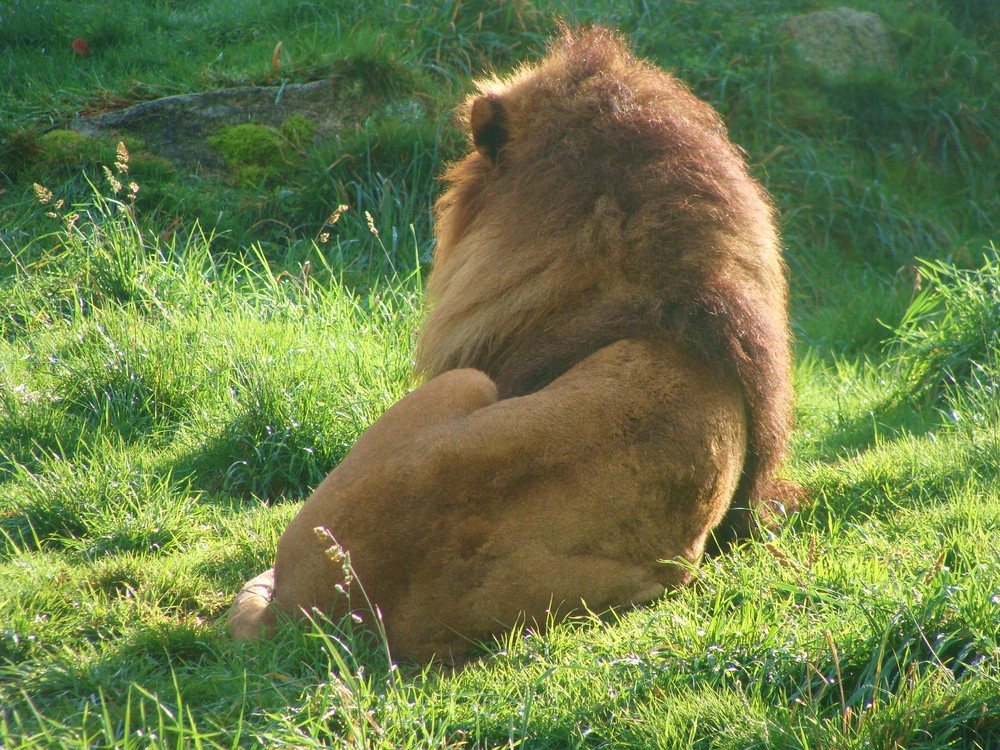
(607, 373)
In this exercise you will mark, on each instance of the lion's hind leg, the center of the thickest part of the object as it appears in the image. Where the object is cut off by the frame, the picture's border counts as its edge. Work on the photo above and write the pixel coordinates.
(599, 489)
(354, 503)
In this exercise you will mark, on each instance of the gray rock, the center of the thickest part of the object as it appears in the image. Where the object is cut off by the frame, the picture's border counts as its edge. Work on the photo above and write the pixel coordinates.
(842, 40)
(178, 127)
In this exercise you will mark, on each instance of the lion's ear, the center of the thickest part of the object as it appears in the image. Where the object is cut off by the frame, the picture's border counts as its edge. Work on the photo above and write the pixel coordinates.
(488, 121)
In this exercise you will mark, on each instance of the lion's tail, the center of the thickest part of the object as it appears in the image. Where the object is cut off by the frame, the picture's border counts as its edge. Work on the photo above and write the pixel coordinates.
(251, 613)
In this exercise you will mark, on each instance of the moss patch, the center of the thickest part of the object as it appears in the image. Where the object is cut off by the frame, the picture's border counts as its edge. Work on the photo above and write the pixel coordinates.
(256, 153)
(299, 131)
(252, 152)
(69, 148)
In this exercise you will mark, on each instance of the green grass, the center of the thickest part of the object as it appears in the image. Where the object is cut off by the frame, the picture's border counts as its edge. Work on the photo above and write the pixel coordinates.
(172, 384)
(386, 59)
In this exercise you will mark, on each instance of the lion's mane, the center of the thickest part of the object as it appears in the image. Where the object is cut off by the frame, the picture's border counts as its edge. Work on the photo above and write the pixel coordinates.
(604, 201)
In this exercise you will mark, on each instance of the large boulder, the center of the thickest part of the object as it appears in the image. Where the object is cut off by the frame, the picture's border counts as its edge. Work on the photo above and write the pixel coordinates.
(842, 40)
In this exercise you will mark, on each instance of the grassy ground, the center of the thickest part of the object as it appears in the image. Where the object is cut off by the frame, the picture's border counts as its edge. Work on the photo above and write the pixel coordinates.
(172, 382)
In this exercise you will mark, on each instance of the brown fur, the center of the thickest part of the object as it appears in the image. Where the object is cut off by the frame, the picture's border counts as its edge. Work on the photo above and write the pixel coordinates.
(608, 370)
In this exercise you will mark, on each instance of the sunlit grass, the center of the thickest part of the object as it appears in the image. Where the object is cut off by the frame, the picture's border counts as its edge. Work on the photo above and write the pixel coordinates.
(162, 408)
(168, 396)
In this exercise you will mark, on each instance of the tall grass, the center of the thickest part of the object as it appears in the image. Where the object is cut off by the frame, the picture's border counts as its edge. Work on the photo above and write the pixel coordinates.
(950, 335)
